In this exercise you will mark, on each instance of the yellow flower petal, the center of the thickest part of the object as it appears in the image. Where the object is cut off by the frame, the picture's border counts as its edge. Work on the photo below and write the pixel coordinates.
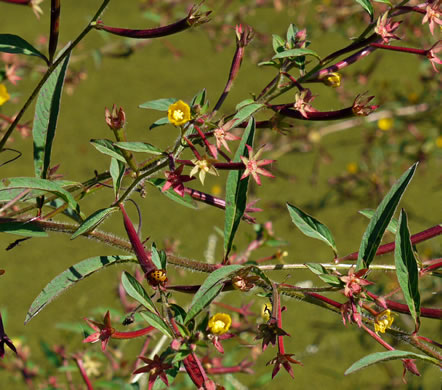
(178, 113)
(219, 323)
(385, 124)
(4, 95)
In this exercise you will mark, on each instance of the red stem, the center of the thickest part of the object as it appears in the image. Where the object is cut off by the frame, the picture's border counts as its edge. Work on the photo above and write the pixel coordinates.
(83, 373)
(402, 308)
(415, 239)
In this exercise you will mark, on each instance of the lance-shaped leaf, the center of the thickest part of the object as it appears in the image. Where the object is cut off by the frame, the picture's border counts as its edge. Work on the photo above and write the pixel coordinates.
(406, 269)
(44, 185)
(91, 222)
(116, 171)
(136, 291)
(378, 357)
(392, 226)
(296, 53)
(245, 112)
(155, 321)
(159, 104)
(375, 230)
(210, 289)
(141, 147)
(185, 200)
(46, 116)
(106, 146)
(311, 227)
(159, 122)
(71, 276)
(10, 43)
(368, 7)
(324, 275)
(27, 229)
(236, 190)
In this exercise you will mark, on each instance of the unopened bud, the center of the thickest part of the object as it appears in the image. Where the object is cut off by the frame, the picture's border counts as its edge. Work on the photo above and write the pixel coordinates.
(115, 119)
(332, 80)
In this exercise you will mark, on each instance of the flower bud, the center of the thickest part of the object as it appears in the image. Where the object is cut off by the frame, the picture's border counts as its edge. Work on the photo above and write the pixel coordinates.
(115, 120)
(332, 80)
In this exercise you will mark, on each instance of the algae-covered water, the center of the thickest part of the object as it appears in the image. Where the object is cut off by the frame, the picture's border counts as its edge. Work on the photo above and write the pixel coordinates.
(319, 340)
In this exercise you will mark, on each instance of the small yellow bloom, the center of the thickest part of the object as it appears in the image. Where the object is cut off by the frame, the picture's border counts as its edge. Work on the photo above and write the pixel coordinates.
(216, 190)
(439, 142)
(352, 168)
(383, 321)
(385, 124)
(332, 80)
(203, 166)
(4, 95)
(266, 310)
(314, 136)
(219, 323)
(178, 113)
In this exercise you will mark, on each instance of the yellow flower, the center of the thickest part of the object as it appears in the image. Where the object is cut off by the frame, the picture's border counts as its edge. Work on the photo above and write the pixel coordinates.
(216, 190)
(4, 95)
(385, 124)
(352, 168)
(266, 310)
(203, 166)
(219, 323)
(439, 142)
(383, 321)
(178, 113)
(332, 80)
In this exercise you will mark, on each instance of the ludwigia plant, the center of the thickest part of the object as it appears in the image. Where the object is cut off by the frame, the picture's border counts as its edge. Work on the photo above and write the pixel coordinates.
(189, 339)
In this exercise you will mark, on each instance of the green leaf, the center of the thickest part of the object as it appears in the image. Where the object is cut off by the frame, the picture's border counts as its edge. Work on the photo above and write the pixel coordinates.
(71, 276)
(27, 229)
(384, 2)
(10, 43)
(406, 269)
(106, 146)
(155, 321)
(171, 194)
(296, 53)
(268, 63)
(160, 122)
(209, 290)
(323, 274)
(278, 43)
(159, 104)
(44, 185)
(291, 34)
(311, 227)
(392, 226)
(142, 147)
(116, 171)
(245, 112)
(368, 7)
(236, 190)
(91, 222)
(199, 99)
(136, 291)
(385, 356)
(380, 220)
(156, 257)
(46, 116)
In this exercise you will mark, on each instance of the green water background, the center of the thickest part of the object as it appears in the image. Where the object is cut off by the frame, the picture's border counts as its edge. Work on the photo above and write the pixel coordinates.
(325, 347)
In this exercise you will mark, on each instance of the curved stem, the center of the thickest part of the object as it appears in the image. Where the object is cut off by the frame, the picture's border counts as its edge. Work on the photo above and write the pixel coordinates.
(49, 72)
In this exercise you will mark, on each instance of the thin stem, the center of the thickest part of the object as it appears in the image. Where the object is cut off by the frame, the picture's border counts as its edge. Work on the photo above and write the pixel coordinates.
(49, 72)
